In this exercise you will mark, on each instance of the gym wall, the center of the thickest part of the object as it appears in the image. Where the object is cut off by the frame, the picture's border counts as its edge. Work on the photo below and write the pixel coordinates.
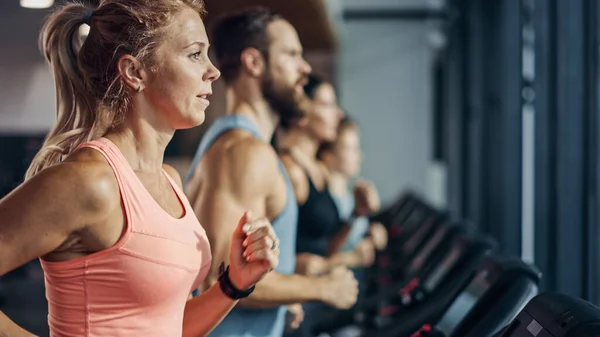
(385, 82)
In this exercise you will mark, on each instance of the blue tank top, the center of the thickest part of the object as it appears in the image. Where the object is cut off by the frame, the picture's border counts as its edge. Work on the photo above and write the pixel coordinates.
(360, 226)
(248, 322)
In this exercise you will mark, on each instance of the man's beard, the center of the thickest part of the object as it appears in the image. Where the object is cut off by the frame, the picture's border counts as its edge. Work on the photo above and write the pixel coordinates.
(289, 104)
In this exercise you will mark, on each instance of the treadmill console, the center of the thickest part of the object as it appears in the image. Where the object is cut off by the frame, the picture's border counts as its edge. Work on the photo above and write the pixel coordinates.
(555, 315)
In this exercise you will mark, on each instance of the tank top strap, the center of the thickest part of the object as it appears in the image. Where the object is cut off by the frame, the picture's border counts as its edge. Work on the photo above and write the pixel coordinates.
(112, 155)
(345, 203)
(179, 192)
(218, 127)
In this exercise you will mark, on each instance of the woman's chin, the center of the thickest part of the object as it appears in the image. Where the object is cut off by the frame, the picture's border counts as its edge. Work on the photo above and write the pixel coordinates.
(193, 121)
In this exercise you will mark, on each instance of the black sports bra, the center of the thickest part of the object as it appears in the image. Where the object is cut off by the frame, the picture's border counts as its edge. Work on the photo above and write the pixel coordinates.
(318, 221)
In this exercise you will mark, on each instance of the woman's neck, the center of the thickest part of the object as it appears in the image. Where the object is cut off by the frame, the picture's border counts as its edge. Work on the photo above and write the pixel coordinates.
(303, 142)
(338, 183)
(141, 144)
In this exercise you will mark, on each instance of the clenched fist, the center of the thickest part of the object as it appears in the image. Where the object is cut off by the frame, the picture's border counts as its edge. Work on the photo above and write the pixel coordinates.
(366, 198)
(365, 250)
(295, 315)
(379, 235)
(254, 251)
(341, 288)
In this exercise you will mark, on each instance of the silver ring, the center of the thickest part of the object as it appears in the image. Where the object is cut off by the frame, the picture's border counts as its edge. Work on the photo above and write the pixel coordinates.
(275, 244)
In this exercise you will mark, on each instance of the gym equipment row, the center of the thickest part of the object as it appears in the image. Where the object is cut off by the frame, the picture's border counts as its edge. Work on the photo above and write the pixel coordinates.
(440, 277)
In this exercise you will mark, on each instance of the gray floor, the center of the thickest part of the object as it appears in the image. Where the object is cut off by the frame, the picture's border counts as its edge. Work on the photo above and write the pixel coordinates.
(24, 301)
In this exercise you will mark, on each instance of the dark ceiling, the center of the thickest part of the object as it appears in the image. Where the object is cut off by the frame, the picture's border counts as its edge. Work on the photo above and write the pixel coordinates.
(310, 17)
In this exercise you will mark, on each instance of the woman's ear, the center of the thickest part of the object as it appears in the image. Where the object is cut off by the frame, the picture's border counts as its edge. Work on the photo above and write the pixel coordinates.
(132, 72)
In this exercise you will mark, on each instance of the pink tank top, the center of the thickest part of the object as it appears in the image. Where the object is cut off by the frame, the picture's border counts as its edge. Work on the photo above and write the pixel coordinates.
(139, 286)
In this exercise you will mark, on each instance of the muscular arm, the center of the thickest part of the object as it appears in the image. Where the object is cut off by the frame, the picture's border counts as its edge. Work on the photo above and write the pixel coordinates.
(235, 179)
(232, 182)
(278, 289)
(38, 216)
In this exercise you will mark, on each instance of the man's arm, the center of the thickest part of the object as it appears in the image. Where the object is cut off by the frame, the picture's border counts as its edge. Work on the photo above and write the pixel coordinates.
(278, 289)
(236, 179)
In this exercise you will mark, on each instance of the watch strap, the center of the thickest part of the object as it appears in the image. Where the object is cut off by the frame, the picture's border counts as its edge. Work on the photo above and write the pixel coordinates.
(227, 286)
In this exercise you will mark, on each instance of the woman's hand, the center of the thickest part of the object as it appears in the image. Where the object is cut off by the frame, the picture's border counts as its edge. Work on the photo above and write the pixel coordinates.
(379, 235)
(295, 316)
(366, 198)
(254, 251)
(365, 251)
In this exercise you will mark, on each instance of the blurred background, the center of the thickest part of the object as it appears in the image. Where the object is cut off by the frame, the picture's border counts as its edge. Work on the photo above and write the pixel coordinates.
(487, 108)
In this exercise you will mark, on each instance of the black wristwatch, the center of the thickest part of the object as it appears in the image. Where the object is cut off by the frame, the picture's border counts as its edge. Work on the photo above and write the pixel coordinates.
(227, 286)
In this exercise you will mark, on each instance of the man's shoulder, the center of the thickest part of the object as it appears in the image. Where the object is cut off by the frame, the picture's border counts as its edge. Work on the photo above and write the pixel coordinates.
(245, 149)
(242, 155)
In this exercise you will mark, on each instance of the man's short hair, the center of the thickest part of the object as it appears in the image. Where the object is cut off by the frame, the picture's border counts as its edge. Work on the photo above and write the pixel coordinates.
(234, 33)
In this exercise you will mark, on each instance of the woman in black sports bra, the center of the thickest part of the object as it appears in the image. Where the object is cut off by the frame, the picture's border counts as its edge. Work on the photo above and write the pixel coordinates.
(320, 230)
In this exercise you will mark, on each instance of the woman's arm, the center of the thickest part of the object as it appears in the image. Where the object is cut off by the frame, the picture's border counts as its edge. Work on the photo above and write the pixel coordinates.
(363, 255)
(9, 328)
(204, 312)
(366, 202)
(339, 239)
(41, 214)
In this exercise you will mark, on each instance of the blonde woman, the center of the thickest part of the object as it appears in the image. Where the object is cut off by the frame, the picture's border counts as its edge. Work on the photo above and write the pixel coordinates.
(119, 243)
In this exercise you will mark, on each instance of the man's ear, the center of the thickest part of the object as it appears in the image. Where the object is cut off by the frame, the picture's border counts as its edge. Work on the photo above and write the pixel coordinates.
(253, 62)
(132, 72)
(302, 122)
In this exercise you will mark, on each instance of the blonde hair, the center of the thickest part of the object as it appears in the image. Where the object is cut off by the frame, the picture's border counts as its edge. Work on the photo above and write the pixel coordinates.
(90, 97)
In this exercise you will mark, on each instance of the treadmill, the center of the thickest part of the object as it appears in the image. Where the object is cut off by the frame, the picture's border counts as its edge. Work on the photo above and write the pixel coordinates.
(492, 297)
(555, 315)
(427, 299)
